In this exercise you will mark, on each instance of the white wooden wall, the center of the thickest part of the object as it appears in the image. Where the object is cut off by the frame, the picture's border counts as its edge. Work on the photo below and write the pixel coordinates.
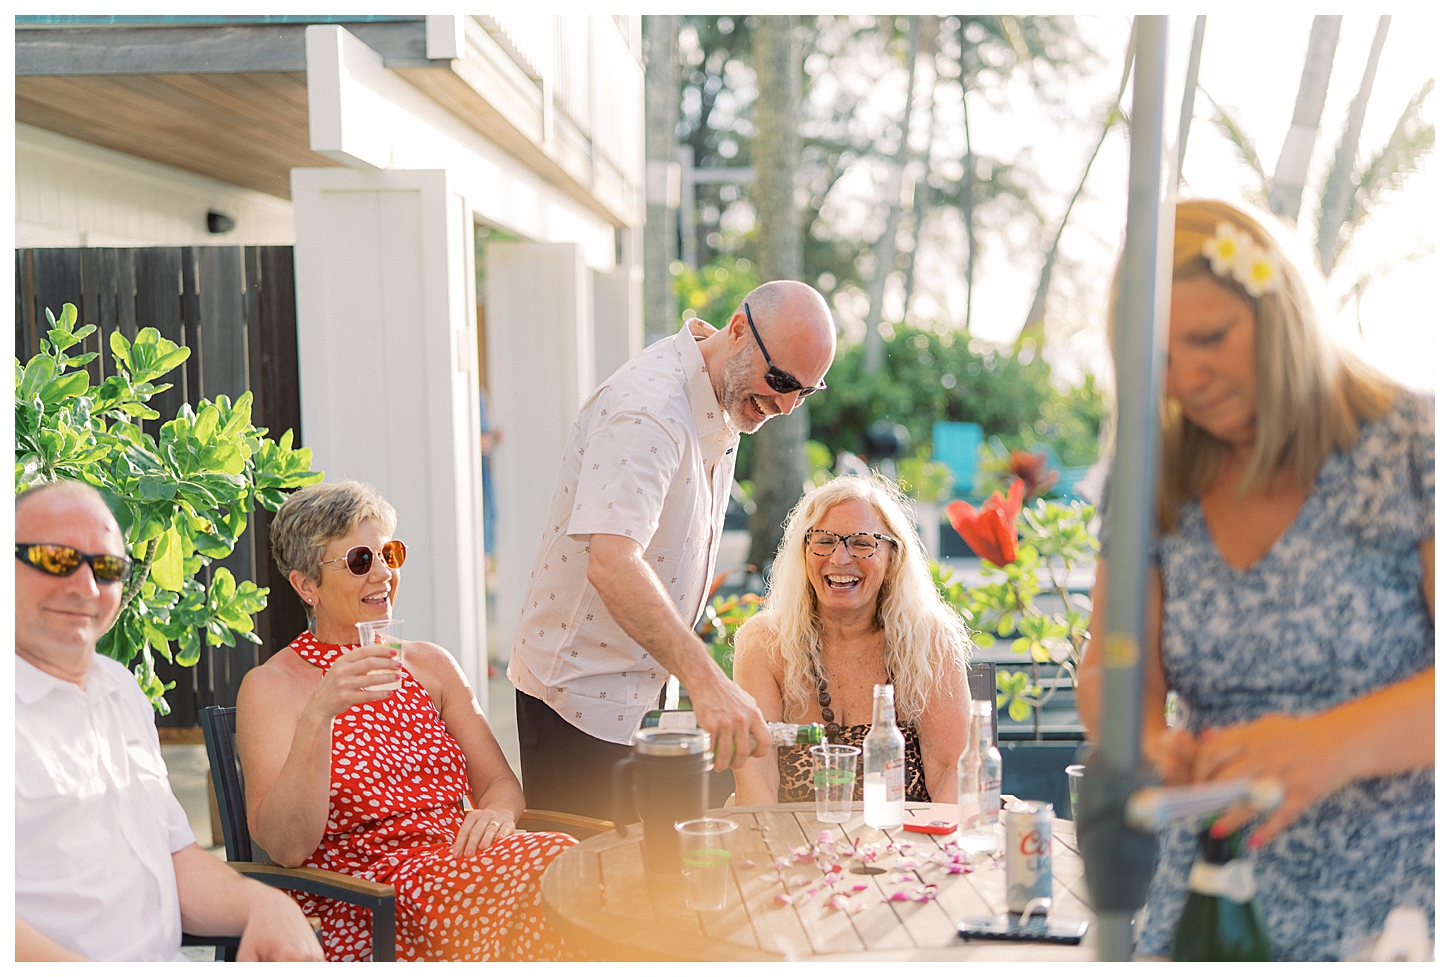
(71, 194)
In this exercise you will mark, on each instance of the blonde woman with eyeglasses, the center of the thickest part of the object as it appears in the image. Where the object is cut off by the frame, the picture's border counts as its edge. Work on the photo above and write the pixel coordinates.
(1291, 596)
(851, 605)
(366, 760)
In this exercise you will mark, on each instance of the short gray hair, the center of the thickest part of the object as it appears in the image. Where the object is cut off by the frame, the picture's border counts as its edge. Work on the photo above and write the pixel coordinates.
(314, 516)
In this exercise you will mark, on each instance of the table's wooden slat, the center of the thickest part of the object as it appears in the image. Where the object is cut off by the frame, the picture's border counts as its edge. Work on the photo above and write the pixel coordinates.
(606, 903)
(821, 926)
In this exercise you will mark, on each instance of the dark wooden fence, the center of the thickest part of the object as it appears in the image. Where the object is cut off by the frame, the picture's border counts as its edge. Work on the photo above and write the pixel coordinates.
(236, 309)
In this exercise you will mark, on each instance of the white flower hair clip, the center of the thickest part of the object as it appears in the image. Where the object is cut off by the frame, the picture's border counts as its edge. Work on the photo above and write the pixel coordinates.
(1233, 252)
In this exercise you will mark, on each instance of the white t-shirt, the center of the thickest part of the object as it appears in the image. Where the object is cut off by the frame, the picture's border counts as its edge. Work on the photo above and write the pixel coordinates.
(651, 458)
(95, 820)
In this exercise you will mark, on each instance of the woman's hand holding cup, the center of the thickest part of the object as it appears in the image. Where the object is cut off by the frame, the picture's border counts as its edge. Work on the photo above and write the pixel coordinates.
(354, 678)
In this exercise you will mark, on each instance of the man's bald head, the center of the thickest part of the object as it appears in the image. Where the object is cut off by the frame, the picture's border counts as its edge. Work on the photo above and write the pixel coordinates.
(790, 307)
(797, 336)
(59, 619)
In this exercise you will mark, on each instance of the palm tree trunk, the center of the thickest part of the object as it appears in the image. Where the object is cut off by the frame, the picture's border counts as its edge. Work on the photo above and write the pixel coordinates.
(1334, 209)
(969, 175)
(886, 243)
(1034, 328)
(1286, 190)
(778, 467)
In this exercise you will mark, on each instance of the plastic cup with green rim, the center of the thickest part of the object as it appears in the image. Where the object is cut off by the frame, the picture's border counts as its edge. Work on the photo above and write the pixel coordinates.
(1074, 785)
(834, 772)
(706, 846)
(372, 633)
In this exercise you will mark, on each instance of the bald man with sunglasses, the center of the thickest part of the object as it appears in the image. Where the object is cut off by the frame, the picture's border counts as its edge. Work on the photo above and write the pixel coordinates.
(634, 528)
(106, 867)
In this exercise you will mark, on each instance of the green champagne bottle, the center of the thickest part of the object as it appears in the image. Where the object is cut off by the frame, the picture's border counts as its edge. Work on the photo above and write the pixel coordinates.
(1220, 921)
(781, 734)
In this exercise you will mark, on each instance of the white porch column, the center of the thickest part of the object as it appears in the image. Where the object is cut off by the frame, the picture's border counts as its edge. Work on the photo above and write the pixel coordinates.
(541, 370)
(385, 343)
(618, 319)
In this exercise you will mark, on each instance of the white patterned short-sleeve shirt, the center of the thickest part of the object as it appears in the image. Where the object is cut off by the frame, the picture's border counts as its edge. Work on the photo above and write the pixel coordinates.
(651, 458)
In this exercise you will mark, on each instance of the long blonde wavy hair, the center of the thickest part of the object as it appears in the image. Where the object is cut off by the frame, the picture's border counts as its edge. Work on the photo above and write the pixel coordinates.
(923, 634)
(1313, 394)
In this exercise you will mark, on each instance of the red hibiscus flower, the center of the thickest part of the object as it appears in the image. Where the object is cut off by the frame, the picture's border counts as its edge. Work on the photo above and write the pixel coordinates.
(1033, 470)
(992, 532)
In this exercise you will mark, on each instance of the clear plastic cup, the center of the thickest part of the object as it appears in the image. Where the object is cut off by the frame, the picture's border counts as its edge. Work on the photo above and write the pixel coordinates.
(835, 780)
(1074, 785)
(371, 633)
(706, 845)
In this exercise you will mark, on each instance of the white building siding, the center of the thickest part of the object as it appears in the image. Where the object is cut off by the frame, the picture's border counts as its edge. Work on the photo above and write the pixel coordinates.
(70, 194)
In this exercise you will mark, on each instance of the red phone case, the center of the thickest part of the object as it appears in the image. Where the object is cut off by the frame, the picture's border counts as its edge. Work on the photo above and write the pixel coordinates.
(930, 827)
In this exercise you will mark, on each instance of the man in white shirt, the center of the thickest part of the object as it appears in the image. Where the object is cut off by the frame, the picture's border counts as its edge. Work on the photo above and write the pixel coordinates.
(624, 567)
(106, 866)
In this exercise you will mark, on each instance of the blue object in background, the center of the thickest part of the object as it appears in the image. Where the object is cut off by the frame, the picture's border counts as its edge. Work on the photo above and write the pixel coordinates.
(957, 443)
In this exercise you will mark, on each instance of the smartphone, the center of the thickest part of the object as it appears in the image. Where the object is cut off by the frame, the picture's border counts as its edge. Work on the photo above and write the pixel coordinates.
(934, 819)
(929, 827)
(1037, 929)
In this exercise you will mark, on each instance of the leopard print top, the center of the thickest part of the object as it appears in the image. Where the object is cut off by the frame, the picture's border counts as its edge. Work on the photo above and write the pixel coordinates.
(797, 777)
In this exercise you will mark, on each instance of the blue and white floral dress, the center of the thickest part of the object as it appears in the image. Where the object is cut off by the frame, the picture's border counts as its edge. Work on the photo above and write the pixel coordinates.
(1332, 612)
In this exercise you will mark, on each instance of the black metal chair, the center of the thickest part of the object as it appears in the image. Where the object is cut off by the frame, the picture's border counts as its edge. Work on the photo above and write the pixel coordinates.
(219, 728)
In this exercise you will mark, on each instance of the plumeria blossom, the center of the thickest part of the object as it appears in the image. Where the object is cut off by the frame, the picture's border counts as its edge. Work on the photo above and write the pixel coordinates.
(1256, 271)
(991, 532)
(1225, 248)
(1233, 252)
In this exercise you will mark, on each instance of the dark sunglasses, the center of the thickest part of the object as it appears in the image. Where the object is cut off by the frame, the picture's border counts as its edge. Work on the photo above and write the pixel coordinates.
(59, 560)
(360, 558)
(780, 381)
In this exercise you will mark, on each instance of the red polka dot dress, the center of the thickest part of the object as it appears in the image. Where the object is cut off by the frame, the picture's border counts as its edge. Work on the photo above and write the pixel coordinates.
(397, 778)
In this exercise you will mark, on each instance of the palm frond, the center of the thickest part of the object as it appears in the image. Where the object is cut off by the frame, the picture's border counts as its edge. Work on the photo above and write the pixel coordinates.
(1409, 144)
(1240, 140)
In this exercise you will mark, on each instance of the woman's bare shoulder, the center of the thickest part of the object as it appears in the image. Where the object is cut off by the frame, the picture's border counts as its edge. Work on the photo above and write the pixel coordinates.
(281, 678)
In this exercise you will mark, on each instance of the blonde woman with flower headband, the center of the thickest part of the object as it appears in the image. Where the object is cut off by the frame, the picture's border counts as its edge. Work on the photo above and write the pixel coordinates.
(1291, 597)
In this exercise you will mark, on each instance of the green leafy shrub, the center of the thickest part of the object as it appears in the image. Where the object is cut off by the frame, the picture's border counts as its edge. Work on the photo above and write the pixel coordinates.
(182, 499)
(1054, 541)
(929, 376)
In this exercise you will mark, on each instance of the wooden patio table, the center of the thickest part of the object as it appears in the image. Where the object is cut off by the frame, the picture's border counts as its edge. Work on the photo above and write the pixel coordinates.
(600, 899)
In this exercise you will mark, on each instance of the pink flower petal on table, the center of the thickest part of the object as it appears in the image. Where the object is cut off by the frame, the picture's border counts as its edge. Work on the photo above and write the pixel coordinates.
(908, 864)
(901, 877)
(746, 863)
(845, 851)
(824, 836)
(782, 899)
(906, 846)
(898, 897)
(860, 886)
(782, 862)
(811, 890)
(839, 903)
(798, 880)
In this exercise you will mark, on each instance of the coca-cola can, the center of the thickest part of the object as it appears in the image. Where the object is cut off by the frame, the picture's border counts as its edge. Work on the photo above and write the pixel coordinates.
(1029, 854)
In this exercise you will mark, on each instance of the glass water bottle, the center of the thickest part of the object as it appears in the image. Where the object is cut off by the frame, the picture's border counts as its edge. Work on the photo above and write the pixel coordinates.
(985, 780)
(883, 758)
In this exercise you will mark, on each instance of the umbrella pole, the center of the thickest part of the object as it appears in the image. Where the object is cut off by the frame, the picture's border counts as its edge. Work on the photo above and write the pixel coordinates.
(1119, 859)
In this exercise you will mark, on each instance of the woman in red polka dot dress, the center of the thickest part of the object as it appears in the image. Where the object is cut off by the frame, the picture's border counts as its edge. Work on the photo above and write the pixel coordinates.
(371, 783)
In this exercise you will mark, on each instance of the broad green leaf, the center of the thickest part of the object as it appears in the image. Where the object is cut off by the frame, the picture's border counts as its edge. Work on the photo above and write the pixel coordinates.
(121, 349)
(166, 568)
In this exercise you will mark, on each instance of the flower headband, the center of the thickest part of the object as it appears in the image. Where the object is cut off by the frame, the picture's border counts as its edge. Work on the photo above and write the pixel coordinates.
(1234, 252)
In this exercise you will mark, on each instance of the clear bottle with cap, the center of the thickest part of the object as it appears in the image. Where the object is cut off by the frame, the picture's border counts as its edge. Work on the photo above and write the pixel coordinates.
(781, 734)
(1219, 921)
(979, 776)
(883, 762)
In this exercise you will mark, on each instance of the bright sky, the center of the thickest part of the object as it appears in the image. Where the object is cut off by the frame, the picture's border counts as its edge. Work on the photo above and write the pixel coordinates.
(1251, 66)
